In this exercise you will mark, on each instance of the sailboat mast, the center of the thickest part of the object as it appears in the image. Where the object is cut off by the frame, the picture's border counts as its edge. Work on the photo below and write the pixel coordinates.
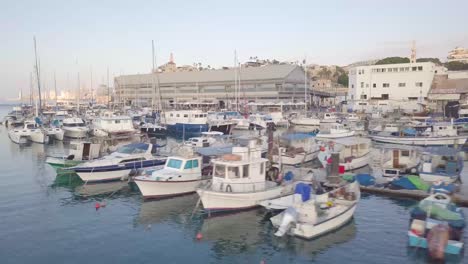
(38, 77)
(155, 65)
(108, 90)
(236, 88)
(55, 88)
(31, 88)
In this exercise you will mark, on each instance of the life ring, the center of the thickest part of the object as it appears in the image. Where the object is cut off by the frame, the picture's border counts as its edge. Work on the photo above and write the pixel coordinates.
(228, 188)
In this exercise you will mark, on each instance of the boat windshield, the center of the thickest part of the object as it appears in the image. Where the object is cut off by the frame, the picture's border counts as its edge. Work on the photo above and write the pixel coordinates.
(74, 125)
(219, 171)
(174, 163)
(133, 148)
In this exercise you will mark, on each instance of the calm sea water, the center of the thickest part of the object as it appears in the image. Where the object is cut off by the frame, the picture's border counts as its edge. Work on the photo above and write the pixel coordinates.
(49, 219)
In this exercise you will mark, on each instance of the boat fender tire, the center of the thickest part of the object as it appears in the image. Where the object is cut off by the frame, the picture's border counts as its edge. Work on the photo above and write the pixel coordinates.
(273, 173)
(228, 188)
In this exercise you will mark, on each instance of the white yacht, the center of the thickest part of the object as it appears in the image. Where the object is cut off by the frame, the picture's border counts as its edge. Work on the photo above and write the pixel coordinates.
(118, 165)
(29, 131)
(112, 125)
(305, 121)
(74, 127)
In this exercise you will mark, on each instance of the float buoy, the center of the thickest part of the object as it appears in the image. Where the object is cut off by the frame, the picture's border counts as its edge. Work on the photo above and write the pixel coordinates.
(97, 206)
(199, 236)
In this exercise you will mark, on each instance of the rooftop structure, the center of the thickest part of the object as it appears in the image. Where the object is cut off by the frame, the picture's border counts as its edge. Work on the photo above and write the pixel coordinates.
(458, 54)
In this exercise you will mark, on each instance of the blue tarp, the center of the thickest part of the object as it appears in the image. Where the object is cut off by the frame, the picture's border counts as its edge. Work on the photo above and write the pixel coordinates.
(297, 136)
(288, 176)
(443, 188)
(365, 179)
(403, 183)
(304, 190)
(409, 131)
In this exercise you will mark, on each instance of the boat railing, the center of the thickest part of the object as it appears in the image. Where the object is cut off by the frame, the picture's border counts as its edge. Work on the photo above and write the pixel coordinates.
(242, 187)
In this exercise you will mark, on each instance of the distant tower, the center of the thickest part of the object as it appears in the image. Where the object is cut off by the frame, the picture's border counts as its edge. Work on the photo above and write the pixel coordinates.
(413, 52)
(171, 58)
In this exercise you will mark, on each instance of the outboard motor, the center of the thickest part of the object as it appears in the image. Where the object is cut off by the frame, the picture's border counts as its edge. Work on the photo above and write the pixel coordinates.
(289, 216)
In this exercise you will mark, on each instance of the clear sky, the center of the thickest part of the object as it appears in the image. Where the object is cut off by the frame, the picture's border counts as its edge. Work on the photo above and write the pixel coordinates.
(91, 36)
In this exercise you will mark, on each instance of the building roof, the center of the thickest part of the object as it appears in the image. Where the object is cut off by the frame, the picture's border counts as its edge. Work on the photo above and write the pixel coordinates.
(247, 74)
(443, 85)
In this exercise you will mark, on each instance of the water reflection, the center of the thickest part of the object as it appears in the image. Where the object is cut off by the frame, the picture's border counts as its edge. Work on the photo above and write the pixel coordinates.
(110, 188)
(177, 209)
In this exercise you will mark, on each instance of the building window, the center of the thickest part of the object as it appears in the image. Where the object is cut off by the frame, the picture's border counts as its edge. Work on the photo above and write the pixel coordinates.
(414, 68)
(362, 85)
(367, 85)
(384, 70)
(406, 69)
(402, 69)
(401, 84)
(385, 85)
(420, 68)
(419, 84)
(412, 98)
(384, 96)
(363, 96)
(390, 69)
(352, 85)
(362, 71)
(374, 85)
(395, 69)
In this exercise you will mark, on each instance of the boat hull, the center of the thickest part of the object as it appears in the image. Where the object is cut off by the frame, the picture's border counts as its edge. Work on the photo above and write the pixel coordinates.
(75, 133)
(159, 189)
(357, 163)
(432, 177)
(421, 141)
(104, 176)
(452, 247)
(188, 130)
(226, 129)
(217, 201)
(336, 135)
(297, 159)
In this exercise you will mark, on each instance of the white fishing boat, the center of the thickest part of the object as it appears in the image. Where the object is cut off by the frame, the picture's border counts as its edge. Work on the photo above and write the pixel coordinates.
(305, 121)
(239, 182)
(29, 131)
(352, 117)
(112, 125)
(354, 152)
(440, 164)
(74, 127)
(432, 136)
(118, 165)
(180, 175)
(329, 118)
(322, 214)
(205, 140)
(396, 161)
(260, 121)
(336, 131)
(78, 153)
(297, 148)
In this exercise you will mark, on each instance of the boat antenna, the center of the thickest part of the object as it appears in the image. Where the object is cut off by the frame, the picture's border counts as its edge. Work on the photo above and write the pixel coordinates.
(38, 76)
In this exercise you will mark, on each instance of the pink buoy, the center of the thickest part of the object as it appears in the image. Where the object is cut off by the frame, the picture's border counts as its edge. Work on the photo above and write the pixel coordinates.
(199, 236)
(97, 206)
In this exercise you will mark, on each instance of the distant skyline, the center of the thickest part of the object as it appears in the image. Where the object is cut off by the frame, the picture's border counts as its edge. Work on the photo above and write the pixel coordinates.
(91, 36)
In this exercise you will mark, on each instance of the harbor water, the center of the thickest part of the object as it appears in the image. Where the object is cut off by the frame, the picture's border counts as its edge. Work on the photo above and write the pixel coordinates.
(49, 219)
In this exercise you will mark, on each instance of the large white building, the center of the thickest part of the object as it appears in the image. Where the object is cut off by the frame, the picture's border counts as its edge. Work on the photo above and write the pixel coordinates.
(391, 86)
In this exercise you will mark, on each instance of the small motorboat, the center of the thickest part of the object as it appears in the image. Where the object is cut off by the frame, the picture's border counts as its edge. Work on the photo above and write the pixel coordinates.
(354, 152)
(440, 164)
(336, 131)
(312, 217)
(437, 225)
(119, 164)
(180, 175)
(296, 148)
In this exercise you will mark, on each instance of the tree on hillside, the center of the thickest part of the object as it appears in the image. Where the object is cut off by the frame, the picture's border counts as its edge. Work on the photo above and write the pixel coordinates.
(456, 66)
(324, 73)
(434, 60)
(343, 79)
(392, 60)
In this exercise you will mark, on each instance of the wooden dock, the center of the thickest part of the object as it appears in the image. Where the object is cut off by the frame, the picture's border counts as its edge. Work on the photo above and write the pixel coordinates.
(413, 194)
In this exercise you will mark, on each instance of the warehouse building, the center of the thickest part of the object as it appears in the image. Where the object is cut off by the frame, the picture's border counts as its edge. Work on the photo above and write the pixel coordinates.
(283, 82)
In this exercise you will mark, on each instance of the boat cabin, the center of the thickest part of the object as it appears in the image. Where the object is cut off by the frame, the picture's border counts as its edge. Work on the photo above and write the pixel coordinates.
(396, 161)
(242, 171)
(185, 117)
(351, 148)
(441, 161)
(84, 150)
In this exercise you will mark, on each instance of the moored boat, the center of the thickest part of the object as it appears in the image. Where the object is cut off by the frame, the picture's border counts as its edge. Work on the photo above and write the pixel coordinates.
(440, 164)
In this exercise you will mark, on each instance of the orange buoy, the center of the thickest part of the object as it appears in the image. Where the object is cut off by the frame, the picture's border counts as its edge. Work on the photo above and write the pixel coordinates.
(199, 236)
(97, 206)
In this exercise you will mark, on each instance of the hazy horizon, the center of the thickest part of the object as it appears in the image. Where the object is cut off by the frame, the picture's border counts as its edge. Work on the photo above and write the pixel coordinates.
(89, 37)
